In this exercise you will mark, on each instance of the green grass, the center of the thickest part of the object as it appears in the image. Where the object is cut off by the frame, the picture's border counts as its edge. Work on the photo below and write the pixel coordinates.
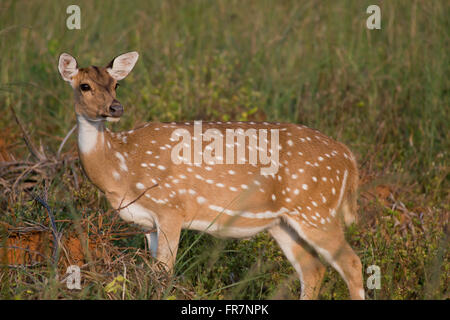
(385, 93)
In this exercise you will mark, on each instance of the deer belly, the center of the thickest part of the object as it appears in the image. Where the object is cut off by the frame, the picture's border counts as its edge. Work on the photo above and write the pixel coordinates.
(136, 213)
(236, 227)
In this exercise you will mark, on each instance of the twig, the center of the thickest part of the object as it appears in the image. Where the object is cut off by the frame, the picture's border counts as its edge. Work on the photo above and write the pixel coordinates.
(75, 178)
(24, 173)
(27, 139)
(124, 280)
(133, 201)
(64, 141)
(55, 233)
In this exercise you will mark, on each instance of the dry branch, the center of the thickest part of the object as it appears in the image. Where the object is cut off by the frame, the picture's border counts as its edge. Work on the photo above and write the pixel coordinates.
(27, 139)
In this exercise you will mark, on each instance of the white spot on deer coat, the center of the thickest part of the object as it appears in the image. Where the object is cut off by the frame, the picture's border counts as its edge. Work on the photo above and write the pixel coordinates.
(116, 175)
(140, 186)
(201, 200)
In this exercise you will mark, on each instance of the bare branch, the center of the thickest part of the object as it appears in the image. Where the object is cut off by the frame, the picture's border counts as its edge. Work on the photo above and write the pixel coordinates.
(27, 139)
(65, 140)
(133, 201)
(56, 236)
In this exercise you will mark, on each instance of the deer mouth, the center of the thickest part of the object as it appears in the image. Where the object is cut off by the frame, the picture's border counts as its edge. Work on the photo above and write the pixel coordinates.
(109, 118)
(112, 119)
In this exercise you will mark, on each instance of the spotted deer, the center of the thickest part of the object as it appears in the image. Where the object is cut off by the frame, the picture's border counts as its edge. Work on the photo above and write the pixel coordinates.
(304, 203)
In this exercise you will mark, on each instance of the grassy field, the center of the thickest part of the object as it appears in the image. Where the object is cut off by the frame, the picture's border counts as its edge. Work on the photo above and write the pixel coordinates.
(385, 93)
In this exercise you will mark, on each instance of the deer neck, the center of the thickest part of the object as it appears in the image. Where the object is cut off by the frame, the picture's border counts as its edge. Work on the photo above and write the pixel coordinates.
(90, 135)
(91, 146)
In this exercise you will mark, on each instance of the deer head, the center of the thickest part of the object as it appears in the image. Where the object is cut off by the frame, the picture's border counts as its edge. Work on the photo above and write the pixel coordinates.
(95, 87)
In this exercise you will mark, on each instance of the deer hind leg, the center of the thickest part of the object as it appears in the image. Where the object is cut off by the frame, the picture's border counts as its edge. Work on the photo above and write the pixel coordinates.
(152, 240)
(168, 240)
(330, 243)
(303, 259)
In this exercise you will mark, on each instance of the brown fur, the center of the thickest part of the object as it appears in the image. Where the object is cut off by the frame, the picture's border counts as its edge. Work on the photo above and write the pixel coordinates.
(95, 103)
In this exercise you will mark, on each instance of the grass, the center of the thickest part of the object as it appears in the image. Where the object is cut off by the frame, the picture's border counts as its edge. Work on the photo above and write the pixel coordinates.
(385, 93)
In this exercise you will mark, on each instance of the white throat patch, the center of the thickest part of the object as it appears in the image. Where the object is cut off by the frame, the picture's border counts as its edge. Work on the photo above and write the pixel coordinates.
(88, 132)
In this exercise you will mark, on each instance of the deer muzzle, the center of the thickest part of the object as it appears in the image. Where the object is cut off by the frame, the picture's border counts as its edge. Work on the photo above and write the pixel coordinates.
(116, 109)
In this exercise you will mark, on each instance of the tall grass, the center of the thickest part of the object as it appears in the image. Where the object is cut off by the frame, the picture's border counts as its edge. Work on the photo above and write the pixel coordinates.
(385, 93)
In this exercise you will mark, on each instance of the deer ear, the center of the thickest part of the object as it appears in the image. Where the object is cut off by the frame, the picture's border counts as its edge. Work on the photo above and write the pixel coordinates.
(68, 67)
(122, 65)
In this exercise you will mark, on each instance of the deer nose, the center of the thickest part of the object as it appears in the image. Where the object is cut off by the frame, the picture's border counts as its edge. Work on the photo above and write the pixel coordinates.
(116, 109)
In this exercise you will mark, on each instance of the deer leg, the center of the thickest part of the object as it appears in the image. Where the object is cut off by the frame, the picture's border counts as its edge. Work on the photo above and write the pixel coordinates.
(168, 237)
(303, 259)
(333, 247)
(152, 241)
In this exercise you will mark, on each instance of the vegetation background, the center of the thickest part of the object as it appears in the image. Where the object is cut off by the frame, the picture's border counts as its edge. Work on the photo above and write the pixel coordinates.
(385, 93)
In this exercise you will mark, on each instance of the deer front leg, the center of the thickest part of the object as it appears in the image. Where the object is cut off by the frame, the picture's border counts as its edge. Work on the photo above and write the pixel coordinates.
(167, 238)
(152, 241)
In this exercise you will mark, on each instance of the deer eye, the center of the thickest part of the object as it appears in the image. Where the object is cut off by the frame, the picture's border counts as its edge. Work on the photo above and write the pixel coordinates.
(85, 87)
